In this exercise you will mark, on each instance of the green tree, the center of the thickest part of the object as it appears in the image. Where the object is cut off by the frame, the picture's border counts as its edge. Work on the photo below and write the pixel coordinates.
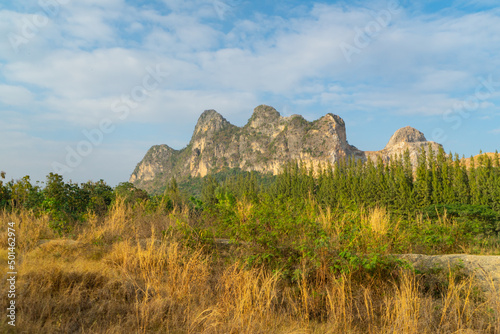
(173, 193)
(130, 193)
(5, 192)
(24, 194)
(55, 190)
(460, 182)
(208, 190)
(423, 186)
(99, 196)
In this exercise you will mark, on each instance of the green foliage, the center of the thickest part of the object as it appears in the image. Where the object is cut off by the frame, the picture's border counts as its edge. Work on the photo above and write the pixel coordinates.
(99, 196)
(130, 193)
(477, 218)
(60, 222)
(5, 192)
(276, 231)
(286, 235)
(192, 236)
(66, 203)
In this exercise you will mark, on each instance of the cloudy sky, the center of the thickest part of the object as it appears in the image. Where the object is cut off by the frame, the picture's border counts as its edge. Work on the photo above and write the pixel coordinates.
(87, 86)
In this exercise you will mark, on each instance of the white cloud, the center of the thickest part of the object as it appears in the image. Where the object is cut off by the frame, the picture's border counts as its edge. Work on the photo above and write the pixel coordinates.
(81, 74)
(181, 35)
(215, 9)
(443, 81)
(88, 26)
(15, 95)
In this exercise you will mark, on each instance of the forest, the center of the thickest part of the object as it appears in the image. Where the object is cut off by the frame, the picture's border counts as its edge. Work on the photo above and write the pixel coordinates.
(308, 250)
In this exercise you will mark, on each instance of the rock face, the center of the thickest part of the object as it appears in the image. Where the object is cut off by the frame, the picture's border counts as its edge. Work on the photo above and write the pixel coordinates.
(406, 138)
(264, 144)
(406, 135)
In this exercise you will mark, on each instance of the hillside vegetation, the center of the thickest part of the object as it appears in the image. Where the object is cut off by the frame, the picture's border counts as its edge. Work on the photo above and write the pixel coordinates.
(311, 250)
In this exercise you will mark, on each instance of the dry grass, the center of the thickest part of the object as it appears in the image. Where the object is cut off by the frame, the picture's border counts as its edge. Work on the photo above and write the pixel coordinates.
(243, 209)
(121, 274)
(378, 221)
(29, 228)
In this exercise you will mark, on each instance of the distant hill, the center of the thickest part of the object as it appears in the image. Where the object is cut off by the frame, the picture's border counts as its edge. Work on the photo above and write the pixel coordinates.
(264, 144)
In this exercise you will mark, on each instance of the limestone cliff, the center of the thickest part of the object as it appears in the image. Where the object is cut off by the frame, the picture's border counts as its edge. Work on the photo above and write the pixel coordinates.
(406, 138)
(266, 142)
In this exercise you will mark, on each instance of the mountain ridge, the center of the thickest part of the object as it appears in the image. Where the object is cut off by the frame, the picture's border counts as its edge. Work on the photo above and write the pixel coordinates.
(264, 144)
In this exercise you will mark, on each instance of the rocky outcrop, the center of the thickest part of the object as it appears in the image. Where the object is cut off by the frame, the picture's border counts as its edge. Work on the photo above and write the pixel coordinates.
(406, 138)
(157, 161)
(264, 144)
(484, 268)
(406, 135)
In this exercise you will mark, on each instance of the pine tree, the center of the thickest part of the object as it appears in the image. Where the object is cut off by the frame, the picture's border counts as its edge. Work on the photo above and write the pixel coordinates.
(327, 190)
(496, 183)
(440, 180)
(173, 192)
(208, 190)
(371, 182)
(423, 188)
(461, 191)
(487, 181)
(473, 184)
(382, 182)
(403, 183)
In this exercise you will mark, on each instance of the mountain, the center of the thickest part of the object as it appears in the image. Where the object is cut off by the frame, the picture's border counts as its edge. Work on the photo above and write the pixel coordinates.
(266, 142)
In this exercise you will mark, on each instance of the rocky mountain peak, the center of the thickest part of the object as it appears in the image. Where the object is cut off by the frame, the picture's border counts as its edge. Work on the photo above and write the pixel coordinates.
(210, 121)
(153, 163)
(406, 135)
(336, 118)
(263, 115)
(264, 144)
(334, 125)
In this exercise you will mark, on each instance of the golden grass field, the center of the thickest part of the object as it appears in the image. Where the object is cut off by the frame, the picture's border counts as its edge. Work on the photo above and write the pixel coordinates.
(120, 274)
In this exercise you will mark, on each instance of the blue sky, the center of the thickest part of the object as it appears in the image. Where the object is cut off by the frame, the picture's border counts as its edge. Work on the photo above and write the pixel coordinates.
(87, 86)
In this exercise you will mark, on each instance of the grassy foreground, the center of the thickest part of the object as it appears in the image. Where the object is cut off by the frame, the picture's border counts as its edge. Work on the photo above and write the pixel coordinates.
(134, 270)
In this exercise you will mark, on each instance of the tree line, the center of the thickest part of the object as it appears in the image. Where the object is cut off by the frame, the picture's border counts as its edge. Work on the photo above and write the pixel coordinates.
(439, 181)
(438, 178)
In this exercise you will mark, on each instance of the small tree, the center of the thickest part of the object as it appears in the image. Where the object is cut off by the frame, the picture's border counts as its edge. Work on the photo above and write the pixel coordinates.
(4, 191)
(130, 193)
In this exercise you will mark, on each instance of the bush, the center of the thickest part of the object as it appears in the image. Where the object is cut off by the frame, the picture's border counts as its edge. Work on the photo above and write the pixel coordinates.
(477, 218)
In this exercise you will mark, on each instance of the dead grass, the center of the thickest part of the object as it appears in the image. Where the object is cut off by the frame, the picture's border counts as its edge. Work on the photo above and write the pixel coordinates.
(121, 274)
(29, 228)
(378, 221)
